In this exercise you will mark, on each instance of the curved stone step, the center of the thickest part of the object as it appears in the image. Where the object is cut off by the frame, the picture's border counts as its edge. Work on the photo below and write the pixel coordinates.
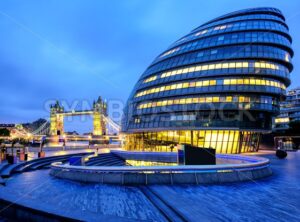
(106, 162)
(9, 169)
(109, 163)
(39, 164)
(19, 167)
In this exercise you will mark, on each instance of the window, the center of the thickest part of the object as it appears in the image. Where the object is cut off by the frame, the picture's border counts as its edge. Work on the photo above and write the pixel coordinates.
(205, 83)
(226, 81)
(228, 98)
(185, 85)
(200, 54)
(212, 82)
(214, 52)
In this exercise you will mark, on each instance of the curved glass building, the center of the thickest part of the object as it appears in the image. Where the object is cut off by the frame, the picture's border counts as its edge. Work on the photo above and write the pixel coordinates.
(218, 86)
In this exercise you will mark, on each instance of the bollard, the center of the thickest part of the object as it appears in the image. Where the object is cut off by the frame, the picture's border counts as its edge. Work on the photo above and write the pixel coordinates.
(281, 154)
(23, 156)
(41, 154)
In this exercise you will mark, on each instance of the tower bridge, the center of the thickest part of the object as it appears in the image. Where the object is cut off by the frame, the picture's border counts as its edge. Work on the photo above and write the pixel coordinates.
(98, 112)
(102, 123)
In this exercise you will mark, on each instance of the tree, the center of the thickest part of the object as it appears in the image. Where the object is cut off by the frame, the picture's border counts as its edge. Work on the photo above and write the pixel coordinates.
(4, 132)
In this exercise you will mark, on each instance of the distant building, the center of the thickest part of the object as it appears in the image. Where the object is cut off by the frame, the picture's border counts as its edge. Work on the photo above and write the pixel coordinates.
(289, 111)
(7, 125)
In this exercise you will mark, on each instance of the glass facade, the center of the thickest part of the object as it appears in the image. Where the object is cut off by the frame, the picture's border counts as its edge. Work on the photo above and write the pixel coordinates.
(289, 111)
(224, 141)
(219, 86)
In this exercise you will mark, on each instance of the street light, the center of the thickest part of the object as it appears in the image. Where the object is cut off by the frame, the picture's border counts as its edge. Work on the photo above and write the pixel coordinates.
(64, 141)
(89, 138)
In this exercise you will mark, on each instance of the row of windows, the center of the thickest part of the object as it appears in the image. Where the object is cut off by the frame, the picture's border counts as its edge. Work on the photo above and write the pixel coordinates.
(237, 26)
(209, 99)
(170, 52)
(213, 66)
(224, 141)
(230, 38)
(213, 82)
(282, 120)
(184, 117)
(242, 17)
(227, 52)
(250, 71)
(150, 79)
(260, 124)
(204, 115)
(211, 107)
(258, 89)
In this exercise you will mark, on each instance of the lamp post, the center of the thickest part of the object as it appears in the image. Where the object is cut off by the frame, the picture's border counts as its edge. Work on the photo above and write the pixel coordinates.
(89, 137)
(64, 141)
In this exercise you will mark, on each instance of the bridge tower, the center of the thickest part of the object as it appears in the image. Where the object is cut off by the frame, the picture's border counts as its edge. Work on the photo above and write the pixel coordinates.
(56, 119)
(99, 109)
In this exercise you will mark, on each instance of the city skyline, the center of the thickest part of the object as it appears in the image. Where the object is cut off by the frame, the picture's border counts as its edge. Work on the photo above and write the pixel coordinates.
(162, 110)
(86, 50)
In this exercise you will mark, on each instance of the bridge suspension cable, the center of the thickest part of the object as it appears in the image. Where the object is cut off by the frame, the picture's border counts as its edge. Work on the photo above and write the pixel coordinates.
(43, 129)
(111, 123)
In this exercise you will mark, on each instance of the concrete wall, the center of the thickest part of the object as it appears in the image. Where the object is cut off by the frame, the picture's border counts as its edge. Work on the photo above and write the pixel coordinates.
(142, 178)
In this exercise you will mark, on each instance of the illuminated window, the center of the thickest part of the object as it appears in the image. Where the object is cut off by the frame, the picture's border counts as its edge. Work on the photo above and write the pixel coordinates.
(211, 66)
(205, 83)
(195, 100)
(252, 81)
(192, 84)
(225, 66)
(198, 84)
(240, 81)
(179, 86)
(218, 66)
(228, 98)
(232, 65)
(212, 82)
(182, 101)
(226, 82)
(282, 120)
(185, 85)
(192, 69)
(208, 99)
(216, 99)
(233, 81)
(189, 101)
(239, 65)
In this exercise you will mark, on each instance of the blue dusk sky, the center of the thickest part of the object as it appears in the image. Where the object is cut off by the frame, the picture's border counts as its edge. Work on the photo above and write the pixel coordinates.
(76, 50)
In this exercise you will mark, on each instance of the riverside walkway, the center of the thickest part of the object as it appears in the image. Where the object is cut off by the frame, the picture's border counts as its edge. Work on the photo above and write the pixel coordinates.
(272, 199)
